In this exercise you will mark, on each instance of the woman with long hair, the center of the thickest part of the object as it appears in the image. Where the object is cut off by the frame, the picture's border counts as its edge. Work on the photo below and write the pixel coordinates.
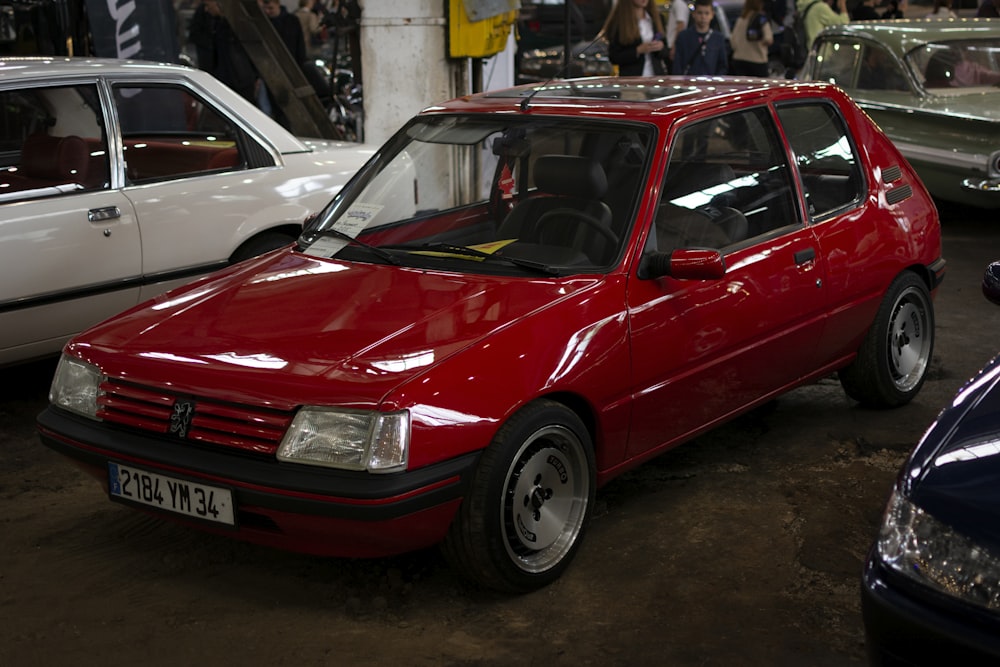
(635, 37)
(751, 38)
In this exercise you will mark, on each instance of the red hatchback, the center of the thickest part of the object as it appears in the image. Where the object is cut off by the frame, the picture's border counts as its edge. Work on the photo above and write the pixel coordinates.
(522, 295)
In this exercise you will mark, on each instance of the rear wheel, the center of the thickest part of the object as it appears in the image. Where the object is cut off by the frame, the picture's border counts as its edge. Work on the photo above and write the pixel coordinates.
(893, 359)
(530, 498)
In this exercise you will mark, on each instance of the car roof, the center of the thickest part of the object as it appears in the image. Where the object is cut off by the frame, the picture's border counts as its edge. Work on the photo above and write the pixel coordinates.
(631, 97)
(904, 35)
(32, 67)
(15, 71)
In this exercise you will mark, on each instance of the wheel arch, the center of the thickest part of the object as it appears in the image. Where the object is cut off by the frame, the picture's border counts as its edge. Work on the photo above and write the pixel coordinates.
(241, 251)
(579, 405)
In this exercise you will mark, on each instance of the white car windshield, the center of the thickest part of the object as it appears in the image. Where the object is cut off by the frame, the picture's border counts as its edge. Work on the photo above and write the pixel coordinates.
(492, 193)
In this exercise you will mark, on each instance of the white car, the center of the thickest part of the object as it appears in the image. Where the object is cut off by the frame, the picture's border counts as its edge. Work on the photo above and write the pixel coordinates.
(122, 179)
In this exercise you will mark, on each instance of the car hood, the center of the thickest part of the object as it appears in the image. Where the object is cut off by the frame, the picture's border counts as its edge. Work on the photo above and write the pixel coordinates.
(288, 329)
(954, 473)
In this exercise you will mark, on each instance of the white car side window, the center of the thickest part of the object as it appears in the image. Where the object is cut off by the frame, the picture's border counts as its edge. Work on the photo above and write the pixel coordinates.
(51, 142)
(168, 132)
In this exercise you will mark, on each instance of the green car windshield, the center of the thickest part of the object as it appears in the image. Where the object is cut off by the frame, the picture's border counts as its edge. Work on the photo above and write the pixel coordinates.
(961, 64)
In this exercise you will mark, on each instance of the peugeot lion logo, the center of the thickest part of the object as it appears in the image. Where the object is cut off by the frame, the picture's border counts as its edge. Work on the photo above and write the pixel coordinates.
(180, 420)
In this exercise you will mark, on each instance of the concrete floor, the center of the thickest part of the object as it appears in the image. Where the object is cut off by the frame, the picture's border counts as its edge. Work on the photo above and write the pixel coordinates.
(743, 547)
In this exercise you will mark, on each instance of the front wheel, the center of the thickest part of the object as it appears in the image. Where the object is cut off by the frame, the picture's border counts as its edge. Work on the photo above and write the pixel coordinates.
(528, 504)
(893, 359)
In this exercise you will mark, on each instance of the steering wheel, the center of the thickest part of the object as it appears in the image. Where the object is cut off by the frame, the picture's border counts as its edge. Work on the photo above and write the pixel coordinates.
(546, 219)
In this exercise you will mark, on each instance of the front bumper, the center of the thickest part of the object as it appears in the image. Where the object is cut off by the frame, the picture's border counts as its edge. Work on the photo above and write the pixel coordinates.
(295, 507)
(905, 625)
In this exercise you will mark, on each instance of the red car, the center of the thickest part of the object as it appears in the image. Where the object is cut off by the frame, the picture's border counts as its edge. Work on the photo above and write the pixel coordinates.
(522, 295)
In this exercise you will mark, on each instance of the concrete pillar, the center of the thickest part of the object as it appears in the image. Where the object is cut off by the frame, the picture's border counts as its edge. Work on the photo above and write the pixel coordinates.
(405, 64)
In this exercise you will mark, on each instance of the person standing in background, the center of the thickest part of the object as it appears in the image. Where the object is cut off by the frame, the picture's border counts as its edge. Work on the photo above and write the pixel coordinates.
(701, 51)
(218, 50)
(824, 13)
(751, 40)
(312, 28)
(894, 10)
(990, 9)
(345, 19)
(677, 20)
(635, 38)
(290, 32)
(942, 10)
(865, 11)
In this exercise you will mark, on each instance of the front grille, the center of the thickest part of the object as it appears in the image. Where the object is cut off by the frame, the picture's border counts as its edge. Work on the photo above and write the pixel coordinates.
(212, 422)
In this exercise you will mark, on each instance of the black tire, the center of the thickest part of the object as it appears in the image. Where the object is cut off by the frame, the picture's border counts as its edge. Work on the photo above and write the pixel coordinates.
(894, 357)
(260, 244)
(528, 503)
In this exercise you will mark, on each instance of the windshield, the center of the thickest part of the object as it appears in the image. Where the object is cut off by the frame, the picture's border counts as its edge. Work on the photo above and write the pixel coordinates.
(944, 66)
(492, 193)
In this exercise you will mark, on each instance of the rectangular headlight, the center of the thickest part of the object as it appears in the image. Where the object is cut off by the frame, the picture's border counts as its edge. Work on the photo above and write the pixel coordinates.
(915, 544)
(75, 386)
(378, 442)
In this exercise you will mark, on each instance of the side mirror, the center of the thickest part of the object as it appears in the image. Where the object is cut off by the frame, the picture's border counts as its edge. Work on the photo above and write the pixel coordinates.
(684, 264)
(991, 283)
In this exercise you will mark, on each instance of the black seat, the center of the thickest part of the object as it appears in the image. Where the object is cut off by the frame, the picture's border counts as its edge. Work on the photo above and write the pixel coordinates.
(695, 211)
(566, 210)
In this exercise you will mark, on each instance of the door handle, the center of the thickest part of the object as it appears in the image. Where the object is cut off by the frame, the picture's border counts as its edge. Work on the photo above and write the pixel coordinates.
(101, 214)
(803, 256)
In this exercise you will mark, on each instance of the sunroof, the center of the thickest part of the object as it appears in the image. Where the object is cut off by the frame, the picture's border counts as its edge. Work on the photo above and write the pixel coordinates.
(625, 91)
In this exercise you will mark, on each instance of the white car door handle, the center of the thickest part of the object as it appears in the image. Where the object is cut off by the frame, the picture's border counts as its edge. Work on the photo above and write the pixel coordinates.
(106, 213)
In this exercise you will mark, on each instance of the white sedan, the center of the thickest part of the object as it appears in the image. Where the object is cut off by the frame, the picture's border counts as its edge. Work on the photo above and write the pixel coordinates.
(122, 179)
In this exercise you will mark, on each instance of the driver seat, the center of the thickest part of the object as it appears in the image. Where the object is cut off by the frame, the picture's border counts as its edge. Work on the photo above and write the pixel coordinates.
(570, 184)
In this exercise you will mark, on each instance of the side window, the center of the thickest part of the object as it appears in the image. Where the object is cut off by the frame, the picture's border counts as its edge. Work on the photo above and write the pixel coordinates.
(727, 182)
(828, 166)
(836, 62)
(168, 132)
(880, 71)
(52, 142)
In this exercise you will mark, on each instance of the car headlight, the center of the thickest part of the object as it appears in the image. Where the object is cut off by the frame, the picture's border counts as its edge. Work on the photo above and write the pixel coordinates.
(348, 439)
(917, 545)
(76, 386)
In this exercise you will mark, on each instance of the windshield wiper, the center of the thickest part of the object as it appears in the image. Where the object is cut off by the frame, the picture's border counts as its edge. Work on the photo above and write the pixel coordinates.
(336, 233)
(472, 252)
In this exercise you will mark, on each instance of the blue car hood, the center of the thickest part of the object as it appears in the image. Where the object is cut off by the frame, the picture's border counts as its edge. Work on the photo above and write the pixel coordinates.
(954, 473)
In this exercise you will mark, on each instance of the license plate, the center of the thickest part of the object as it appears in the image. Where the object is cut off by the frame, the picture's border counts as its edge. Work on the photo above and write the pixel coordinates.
(200, 501)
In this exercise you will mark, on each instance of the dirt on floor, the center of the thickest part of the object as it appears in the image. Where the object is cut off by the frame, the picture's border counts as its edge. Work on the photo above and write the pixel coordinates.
(743, 547)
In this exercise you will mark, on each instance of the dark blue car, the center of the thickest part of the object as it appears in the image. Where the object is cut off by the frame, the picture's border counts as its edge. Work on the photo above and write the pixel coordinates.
(931, 587)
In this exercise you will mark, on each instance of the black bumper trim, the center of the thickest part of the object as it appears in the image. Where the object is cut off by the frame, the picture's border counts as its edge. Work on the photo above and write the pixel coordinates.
(917, 627)
(936, 270)
(258, 482)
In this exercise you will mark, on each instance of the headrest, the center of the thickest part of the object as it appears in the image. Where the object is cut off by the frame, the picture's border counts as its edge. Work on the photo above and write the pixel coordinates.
(685, 178)
(55, 158)
(570, 176)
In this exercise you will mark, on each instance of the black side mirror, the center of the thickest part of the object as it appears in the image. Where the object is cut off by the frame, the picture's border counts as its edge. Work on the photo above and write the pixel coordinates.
(991, 283)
